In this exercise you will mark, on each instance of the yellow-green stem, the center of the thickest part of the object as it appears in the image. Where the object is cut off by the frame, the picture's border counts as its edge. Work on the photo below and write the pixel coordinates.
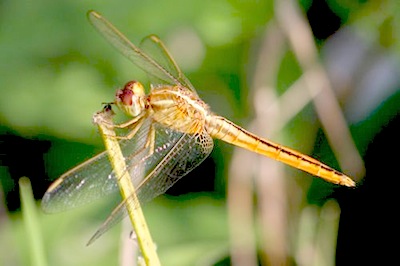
(146, 245)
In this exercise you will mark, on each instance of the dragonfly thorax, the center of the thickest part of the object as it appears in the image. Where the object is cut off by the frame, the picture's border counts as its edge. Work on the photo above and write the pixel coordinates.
(179, 108)
(131, 99)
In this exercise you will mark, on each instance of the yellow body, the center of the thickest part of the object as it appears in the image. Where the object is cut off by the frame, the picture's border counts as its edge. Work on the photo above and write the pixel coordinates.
(181, 109)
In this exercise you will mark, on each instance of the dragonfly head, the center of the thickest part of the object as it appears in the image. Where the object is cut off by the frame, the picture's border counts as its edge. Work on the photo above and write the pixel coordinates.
(131, 99)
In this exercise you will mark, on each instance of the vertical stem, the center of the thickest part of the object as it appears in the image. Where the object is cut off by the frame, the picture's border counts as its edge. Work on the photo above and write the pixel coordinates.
(32, 226)
(146, 245)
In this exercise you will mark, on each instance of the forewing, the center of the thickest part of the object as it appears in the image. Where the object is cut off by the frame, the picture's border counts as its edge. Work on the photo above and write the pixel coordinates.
(164, 71)
(153, 46)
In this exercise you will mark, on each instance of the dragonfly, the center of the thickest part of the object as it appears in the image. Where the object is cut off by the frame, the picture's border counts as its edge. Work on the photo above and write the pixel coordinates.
(170, 133)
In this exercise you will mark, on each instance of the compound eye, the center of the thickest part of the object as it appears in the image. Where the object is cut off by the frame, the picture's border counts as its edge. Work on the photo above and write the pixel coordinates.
(136, 87)
(131, 98)
(124, 96)
(131, 85)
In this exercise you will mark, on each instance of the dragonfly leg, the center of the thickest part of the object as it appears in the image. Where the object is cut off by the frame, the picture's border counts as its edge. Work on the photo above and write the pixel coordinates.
(151, 140)
(137, 124)
(130, 122)
(149, 144)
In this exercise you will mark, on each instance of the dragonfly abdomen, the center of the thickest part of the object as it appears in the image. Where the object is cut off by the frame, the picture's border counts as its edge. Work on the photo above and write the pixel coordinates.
(221, 128)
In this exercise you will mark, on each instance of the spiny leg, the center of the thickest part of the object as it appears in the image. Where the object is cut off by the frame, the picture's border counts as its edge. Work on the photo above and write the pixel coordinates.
(135, 122)
(150, 143)
(132, 133)
(107, 107)
(130, 122)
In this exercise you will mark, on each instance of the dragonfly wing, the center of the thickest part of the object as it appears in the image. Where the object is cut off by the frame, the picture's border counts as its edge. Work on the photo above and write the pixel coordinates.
(154, 47)
(187, 153)
(92, 179)
(144, 61)
(87, 182)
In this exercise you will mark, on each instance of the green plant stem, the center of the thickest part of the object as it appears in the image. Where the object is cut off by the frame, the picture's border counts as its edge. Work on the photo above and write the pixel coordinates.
(104, 121)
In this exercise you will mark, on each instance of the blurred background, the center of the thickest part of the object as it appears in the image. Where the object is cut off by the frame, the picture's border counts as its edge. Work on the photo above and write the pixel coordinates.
(319, 76)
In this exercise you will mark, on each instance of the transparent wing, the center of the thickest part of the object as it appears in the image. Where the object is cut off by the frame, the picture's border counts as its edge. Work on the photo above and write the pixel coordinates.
(152, 45)
(156, 63)
(92, 179)
(95, 179)
(85, 183)
(188, 152)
